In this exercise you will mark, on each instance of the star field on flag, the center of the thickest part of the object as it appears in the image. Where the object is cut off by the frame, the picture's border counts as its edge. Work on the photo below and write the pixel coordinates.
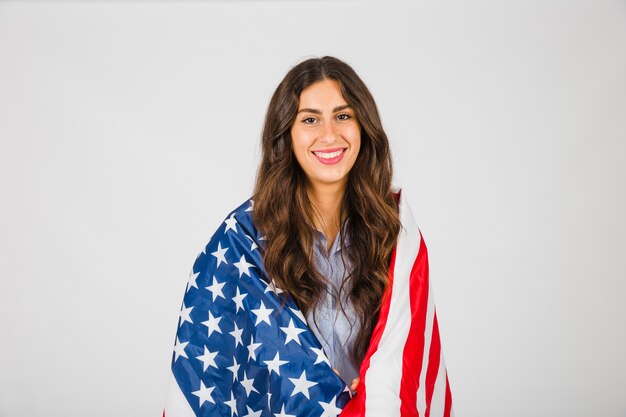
(236, 335)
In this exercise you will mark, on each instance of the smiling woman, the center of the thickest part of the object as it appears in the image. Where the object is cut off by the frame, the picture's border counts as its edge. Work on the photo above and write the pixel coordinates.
(312, 298)
(326, 136)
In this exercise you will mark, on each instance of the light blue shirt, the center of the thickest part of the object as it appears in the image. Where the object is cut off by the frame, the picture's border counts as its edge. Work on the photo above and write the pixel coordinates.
(334, 328)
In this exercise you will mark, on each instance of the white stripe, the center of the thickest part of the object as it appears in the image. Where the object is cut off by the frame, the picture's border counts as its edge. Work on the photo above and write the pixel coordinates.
(385, 371)
(176, 405)
(438, 402)
(428, 333)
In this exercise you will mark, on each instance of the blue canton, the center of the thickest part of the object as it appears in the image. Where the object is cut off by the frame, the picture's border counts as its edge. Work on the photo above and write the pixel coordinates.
(241, 348)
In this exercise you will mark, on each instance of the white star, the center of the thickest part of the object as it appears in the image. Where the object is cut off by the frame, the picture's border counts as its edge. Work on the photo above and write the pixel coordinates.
(271, 286)
(275, 364)
(252, 413)
(231, 223)
(238, 299)
(234, 369)
(282, 413)
(330, 408)
(262, 314)
(216, 288)
(179, 349)
(208, 358)
(298, 314)
(192, 280)
(184, 315)
(204, 394)
(321, 356)
(252, 347)
(254, 245)
(243, 266)
(302, 385)
(248, 384)
(232, 403)
(292, 333)
(251, 206)
(213, 324)
(220, 254)
(237, 335)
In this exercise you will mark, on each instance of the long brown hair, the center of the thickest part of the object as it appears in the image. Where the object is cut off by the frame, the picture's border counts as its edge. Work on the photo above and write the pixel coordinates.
(284, 213)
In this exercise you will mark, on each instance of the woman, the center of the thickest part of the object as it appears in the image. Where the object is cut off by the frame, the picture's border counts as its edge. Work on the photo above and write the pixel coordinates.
(295, 287)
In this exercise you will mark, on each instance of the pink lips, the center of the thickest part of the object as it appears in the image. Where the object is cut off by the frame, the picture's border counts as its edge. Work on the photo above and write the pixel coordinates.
(333, 160)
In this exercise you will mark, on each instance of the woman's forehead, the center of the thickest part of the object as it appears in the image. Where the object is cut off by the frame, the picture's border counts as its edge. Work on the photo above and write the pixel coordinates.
(322, 95)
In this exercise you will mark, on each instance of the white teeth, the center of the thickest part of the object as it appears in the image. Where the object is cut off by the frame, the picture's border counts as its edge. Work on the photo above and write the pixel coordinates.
(328, 155)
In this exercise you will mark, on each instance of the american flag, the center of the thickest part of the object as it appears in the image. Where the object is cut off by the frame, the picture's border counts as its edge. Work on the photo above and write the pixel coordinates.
(242, 350)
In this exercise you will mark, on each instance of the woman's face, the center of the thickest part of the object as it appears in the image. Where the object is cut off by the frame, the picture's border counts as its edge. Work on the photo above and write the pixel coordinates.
(325, 136)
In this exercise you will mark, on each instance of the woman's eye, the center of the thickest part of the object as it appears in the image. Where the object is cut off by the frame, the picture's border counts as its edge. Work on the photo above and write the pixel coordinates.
(344, 116)
(309, 120)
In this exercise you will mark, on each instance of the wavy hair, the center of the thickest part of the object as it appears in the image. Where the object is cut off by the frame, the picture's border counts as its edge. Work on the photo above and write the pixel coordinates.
(284, 214)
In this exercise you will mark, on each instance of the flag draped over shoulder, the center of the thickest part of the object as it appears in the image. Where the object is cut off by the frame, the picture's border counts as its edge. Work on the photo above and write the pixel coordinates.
(240, 350)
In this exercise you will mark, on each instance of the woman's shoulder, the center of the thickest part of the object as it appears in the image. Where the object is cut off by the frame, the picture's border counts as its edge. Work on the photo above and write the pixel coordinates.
(238, 221)
(243, 211)
(235, 241)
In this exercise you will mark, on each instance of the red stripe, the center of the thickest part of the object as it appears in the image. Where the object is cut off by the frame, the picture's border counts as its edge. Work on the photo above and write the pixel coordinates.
(433, 365)
(412, 356)
(356, 406)
(448, 408)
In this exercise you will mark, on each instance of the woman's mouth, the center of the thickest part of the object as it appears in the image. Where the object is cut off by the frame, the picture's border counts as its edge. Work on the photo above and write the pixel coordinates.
(330, 156)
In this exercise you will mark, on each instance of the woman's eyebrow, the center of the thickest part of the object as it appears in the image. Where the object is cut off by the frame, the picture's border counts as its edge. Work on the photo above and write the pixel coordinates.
(316, 111)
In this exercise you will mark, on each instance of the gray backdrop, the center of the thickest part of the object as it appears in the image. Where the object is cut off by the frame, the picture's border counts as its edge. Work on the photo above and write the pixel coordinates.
(128, 130)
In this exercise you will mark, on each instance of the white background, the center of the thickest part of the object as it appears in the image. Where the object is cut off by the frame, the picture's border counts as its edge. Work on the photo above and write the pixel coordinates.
(128, 130)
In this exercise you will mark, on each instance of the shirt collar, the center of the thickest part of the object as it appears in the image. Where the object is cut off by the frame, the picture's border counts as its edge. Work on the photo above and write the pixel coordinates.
(336, 247)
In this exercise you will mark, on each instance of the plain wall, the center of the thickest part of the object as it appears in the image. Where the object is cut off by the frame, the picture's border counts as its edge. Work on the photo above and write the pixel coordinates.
(128, 130)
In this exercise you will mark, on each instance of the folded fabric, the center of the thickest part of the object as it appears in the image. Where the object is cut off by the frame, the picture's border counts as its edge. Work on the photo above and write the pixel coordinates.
(244, 349)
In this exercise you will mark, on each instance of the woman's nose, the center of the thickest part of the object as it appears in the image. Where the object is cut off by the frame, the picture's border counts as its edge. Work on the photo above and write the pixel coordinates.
(329, 133)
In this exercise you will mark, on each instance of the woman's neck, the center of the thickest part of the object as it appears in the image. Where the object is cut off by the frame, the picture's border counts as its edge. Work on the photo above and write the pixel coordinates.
(326, 200)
